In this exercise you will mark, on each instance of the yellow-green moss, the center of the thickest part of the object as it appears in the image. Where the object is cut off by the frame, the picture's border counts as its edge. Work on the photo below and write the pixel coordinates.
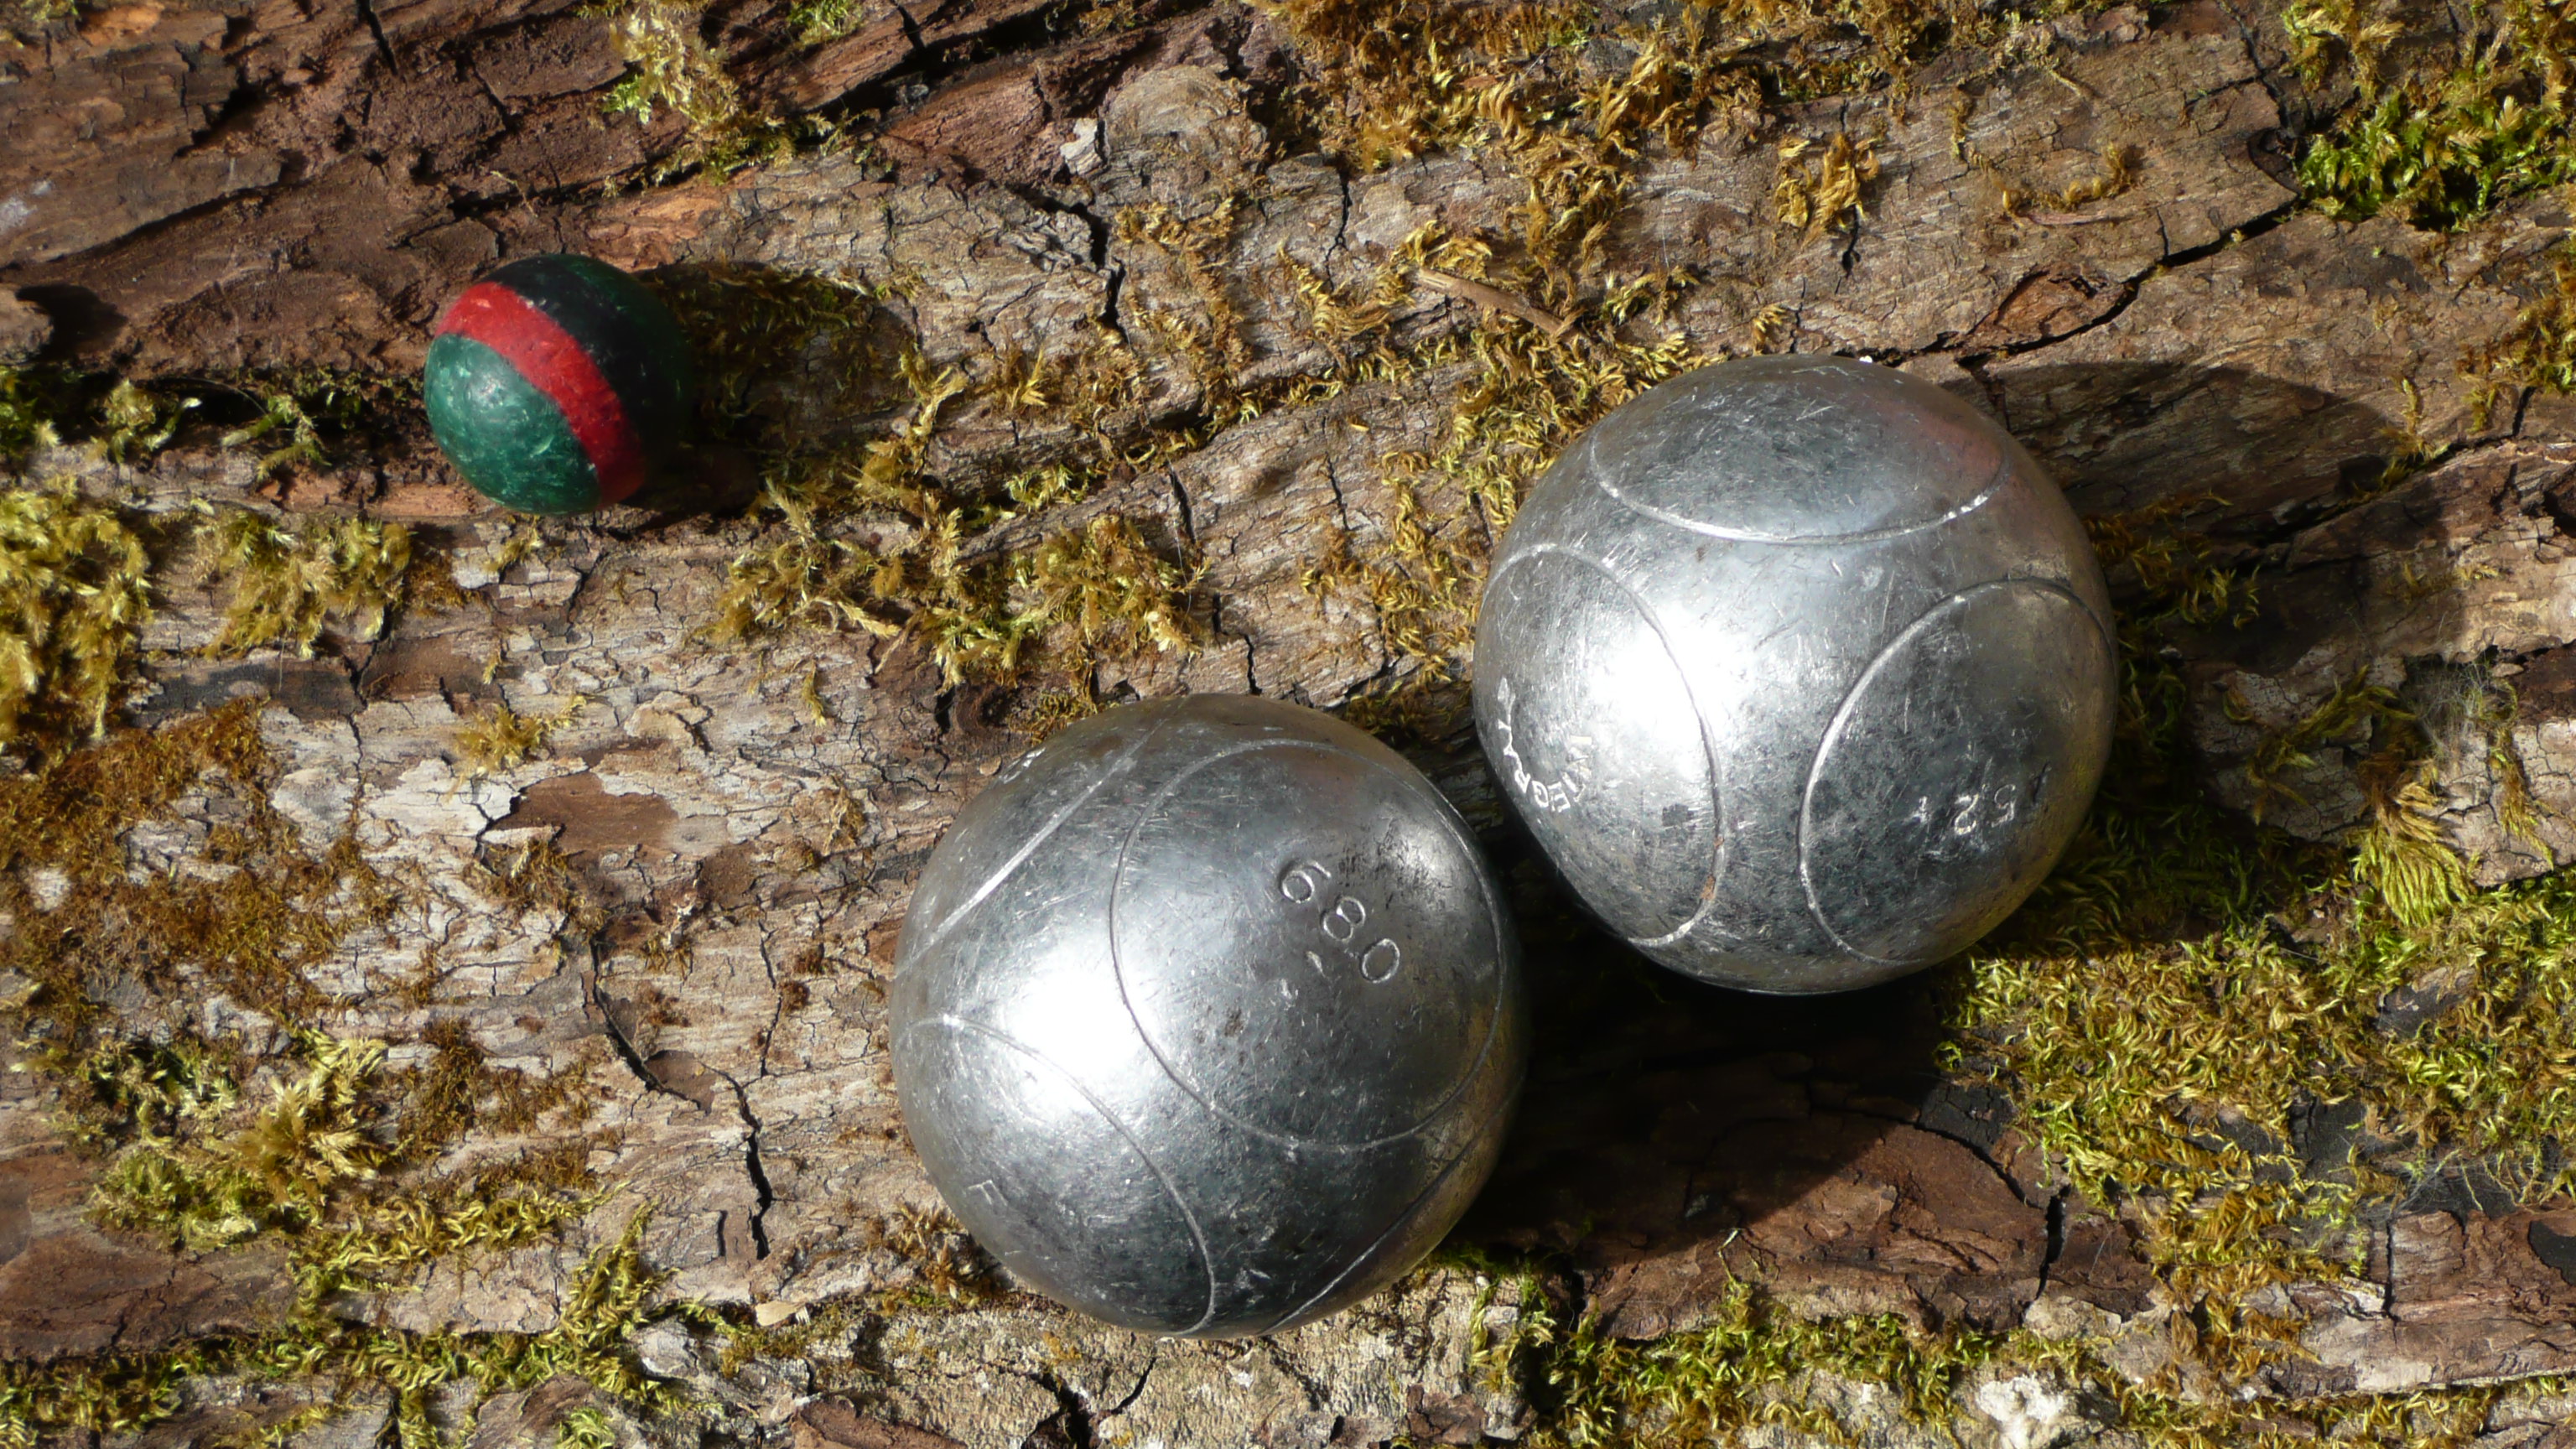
(28, 411)
(2181, 968)
(2149, 949)
(1757, 1364)
(500, 738)
(331, 1154)
(29, 20)
(286, 580)
(75, 593)
(585, 1428)
(135, 422)
(1102, 589)
(274, 1175)
(2537, 352)
(670, 68)
(610, 1296)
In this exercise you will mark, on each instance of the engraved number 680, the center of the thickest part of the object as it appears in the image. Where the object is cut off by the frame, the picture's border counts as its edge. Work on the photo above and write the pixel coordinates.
(1304, 884)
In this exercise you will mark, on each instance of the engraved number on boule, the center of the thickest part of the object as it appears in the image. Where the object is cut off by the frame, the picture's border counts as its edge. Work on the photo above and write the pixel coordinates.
(1340, 921)
(1969, 813)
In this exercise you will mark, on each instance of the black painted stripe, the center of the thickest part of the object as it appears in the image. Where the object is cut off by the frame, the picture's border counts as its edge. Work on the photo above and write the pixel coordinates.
(628, 334)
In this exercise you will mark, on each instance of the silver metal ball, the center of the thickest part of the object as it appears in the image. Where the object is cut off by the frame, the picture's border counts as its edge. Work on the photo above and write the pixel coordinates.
(1800, 670)
(1207, 1017)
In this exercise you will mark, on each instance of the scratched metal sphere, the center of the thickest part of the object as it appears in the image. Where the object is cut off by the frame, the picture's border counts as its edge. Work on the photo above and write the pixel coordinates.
(1800, 670)
(1207, 1016)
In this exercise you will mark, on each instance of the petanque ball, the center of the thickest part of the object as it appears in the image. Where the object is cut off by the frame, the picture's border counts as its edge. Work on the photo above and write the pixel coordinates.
(1800, 670)
(1207, 1017)
(557, 384)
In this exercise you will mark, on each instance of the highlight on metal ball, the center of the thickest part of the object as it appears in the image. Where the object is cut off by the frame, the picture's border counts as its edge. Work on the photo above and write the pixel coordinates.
(1800, 670)
(1207, 1016)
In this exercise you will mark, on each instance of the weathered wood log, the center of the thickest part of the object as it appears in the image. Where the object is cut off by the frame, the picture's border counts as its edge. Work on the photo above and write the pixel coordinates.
(660, 861)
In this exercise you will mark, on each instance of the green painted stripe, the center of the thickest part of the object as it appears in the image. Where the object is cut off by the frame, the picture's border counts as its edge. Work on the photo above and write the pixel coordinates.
(507, 438)
(628, 334)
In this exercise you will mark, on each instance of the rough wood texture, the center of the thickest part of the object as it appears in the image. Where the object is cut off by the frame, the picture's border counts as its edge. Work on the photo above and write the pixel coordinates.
(185, 190)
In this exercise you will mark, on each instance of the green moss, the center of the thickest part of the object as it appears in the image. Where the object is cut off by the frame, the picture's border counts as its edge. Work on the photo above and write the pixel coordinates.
(585, 1428)
(126, 1091)
(2110, 1056)
(275, 1175)
(2181, 968)
(284, 421)
(754, 331)
(611, 1296)
(288, 414)
(1102, 590)
(28, 411)
(820, 20)
(2154, 950)
(111, 1394)
(322, 1150)
(2441, 148)
(1742, 1370)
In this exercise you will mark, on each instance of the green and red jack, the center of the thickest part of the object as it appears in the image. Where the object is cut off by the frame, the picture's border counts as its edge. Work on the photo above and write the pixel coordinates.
(558, 384)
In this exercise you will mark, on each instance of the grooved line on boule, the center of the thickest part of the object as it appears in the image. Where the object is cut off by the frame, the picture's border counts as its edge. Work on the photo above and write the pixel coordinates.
(1029, 847)
(1402, 1218)
(1699, 718)
(1842, 717)
(1118, 967)
(1171, 1189)
(1994, 485)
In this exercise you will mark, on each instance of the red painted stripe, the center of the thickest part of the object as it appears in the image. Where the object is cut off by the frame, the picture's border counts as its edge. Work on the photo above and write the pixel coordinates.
(555, 365)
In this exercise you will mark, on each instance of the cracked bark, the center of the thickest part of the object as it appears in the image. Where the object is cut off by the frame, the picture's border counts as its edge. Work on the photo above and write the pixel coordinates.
(2197, 335)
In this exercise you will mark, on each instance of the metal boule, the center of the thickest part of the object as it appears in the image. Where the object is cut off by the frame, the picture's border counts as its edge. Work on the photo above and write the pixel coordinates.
(1207, 1016)
(1800, 670)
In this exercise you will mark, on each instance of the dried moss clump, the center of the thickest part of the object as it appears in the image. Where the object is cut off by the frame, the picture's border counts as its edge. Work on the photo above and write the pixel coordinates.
(74, 597)
(2537, 352)
(1822, 193)
(247, 932)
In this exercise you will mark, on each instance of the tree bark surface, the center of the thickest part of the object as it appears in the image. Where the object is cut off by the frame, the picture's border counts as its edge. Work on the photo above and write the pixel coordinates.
(187, 192)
